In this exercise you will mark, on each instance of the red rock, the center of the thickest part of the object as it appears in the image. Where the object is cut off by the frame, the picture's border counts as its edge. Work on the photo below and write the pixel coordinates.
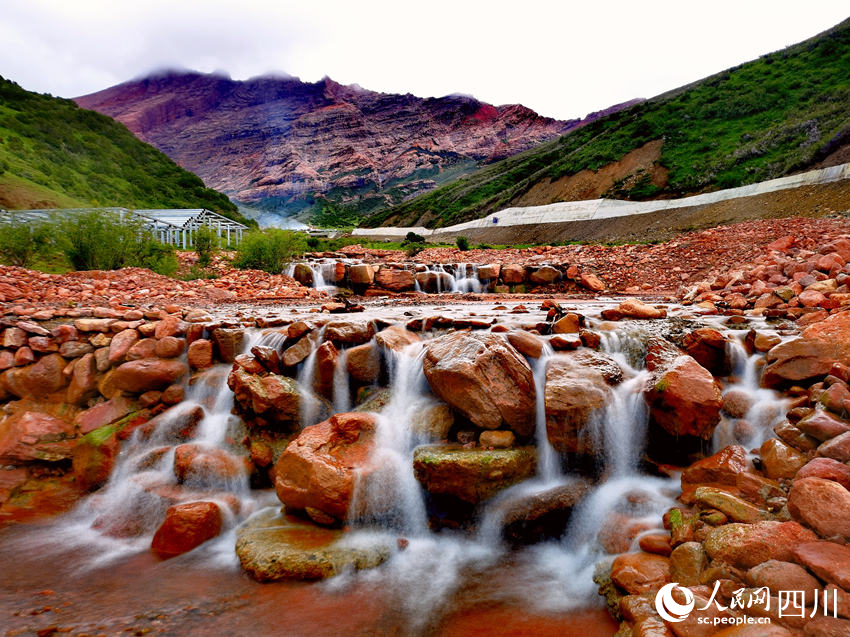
(822, 505)
(525, 343)
(513, 274)
(708, 347)
(173, 394)
(145, 348)
(33, 436)
(569, 324)
(186, 527)
(200, 354)
(7, 359)
(170, 347)
(93, 324)
(636, 309)
(782, 576)
(721, 468)
(349, 332)
(746, 545)
(483, 377)
(544, 275)
(103, 414)
(821, 346)
(684, 399)
(121, 344)
(228, 343)
(822, 425)
(396, 338)
(23, 356)
(828, 469)
(146, 374)
(74, 349)
(196, 463)
(327, 358)
(361, 274)
(395, 280)
(14, 337)
(640, 573)
(591, 282)
(42, 344)
(827, 560)
(656, 543)
(577, 385)
(170, 326)
(150, 398)
(780, 460)
(319, 468)
(275, 397)
(363, 363)
(93, 460)
(41, 379)
(838, 448)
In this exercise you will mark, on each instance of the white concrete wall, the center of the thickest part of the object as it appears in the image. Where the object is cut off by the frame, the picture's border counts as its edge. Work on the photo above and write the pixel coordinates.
(565, 211)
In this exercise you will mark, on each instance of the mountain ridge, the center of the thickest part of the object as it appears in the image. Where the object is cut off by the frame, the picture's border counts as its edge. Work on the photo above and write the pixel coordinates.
(280, 144)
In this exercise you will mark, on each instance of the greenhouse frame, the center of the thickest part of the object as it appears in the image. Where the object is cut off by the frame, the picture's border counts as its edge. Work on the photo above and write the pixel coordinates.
(176, 227)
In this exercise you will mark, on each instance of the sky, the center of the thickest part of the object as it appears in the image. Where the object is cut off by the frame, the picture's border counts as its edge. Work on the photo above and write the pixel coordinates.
(560, 58)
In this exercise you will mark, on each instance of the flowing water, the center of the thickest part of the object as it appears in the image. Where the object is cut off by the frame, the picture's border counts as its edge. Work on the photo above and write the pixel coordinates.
(439, 577)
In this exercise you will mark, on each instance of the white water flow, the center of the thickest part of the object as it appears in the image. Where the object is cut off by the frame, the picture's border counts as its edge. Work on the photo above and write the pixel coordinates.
(757, 410)
(123, 515)
(341, 388)
(548, 460)
(324, 274)
(387, 493)
(466, 278)
(310, 406)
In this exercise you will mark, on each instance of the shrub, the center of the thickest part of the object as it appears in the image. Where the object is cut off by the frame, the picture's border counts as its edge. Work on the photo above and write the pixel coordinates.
(413, 249)
(99, 240)
(196, 272)
(21, 242)
(206, 242)
(312, 243)
(462, 243)
(269, 249)
(412, 237)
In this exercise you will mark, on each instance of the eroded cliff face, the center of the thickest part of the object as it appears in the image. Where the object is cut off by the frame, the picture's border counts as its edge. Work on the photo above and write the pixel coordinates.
(278, 143)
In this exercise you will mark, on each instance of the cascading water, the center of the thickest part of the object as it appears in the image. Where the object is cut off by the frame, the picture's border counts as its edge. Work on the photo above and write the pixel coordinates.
(341, 389)
(123, 515)
(760, 408)
(548, 461)
(466, 279)
(310, 404)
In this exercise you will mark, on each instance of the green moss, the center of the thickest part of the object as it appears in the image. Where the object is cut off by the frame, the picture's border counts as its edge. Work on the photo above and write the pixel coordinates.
(100, 435)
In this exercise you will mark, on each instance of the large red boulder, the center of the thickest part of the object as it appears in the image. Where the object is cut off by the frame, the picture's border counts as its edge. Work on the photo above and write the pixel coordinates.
(684, 399)
(34, 436)
(83, 380)
(186, 527)
(483, 377)
(395, 280)
(708, 348)
(812, 355)
(577, 385)
(318, 470)
(40, 379)
(827, 560)
(828, 469)
(822, 505)
(200, 354)
(746, 545)
(148, 373)
(396, 337)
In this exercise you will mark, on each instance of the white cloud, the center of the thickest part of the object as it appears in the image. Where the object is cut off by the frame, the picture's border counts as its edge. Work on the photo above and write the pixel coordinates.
(563, 59)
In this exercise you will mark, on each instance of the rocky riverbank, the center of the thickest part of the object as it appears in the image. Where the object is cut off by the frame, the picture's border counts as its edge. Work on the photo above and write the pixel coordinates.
(510, 420)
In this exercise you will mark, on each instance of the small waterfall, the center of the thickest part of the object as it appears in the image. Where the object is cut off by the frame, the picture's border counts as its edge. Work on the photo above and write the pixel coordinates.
(310, 404)
(466, 278)
(548, 461)
(341, 388)
(763, 408)
(323, 273)
(391, 496)
(122, 516)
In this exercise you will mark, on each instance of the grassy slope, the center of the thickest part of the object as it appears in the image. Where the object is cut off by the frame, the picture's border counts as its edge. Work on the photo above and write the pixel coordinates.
(53, 153)
(761, 120)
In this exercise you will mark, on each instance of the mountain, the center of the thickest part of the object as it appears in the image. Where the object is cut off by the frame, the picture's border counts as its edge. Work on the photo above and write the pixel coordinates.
(782, 113)
(55, 154)
(280, 144)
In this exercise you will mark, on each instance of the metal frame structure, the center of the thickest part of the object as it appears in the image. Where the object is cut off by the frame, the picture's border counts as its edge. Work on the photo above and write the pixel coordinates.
(176, 226)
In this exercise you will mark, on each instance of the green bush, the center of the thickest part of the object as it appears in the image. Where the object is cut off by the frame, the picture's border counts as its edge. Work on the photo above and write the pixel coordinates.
(413, 249)
(269, 249)
(22, 242)
(196, 272)
(412, 237)
(462, 243)
(99, 240)
(206, 243)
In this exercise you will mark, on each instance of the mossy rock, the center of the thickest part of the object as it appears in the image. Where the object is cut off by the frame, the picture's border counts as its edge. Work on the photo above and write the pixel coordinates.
(273, 545)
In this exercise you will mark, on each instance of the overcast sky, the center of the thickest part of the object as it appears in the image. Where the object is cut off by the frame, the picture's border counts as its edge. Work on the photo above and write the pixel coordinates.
(561, 58)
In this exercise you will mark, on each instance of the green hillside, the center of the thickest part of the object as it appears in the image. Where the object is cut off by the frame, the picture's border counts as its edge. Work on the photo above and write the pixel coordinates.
(55, 154)
(764, 119)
